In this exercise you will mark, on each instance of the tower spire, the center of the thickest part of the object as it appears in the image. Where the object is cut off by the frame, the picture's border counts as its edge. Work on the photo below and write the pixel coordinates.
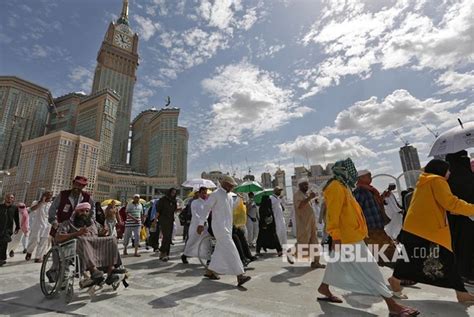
(124, 15)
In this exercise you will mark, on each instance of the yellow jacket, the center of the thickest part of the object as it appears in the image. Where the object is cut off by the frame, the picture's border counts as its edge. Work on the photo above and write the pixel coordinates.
(344, 218)
(426, 216)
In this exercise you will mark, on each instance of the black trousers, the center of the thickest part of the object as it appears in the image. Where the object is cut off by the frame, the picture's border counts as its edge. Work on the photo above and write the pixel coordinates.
(154, 239)
(243, 242)
(3, 251)
(186, 231)
(166, 228)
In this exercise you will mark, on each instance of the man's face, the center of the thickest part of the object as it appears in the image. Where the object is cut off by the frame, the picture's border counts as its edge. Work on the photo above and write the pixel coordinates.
(173, 193)
(366, 179)
(9, 199)
(48, 196)
(77, 188)
(203, 194)
(278, 192)
(304, 187)
(83, 217)
(136, 200)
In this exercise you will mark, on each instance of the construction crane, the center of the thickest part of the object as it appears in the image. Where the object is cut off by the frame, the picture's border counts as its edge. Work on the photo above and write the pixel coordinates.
(399, 135)
(435, 134)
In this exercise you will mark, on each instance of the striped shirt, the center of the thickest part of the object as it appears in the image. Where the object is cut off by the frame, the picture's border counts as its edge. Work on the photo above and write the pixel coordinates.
(134, 215)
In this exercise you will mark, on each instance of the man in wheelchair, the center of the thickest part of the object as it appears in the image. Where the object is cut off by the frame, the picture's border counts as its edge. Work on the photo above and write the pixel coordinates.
(97, 251)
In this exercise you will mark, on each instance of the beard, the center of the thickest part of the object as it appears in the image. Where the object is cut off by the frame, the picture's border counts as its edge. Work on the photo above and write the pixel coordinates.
(83, 221)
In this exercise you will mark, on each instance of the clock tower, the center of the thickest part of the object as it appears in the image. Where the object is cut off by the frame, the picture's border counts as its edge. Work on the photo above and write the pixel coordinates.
(117, 62)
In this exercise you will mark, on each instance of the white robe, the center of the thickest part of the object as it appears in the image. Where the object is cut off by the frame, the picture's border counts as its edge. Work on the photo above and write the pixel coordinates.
(280, 223)
(40, 226)
(225, 258)
(394, 227)
(198, 212)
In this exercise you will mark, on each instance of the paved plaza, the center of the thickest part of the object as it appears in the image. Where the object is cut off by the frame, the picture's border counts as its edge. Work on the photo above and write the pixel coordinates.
(157, 288)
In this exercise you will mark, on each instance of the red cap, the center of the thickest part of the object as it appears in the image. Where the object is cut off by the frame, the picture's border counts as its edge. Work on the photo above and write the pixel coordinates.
(81, 180)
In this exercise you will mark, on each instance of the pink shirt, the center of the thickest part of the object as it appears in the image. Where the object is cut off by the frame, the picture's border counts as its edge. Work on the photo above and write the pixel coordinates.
(24, 220)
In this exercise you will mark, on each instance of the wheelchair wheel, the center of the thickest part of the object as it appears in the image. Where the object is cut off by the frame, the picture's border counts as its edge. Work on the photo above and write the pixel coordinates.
(52, 273)
(205, 250)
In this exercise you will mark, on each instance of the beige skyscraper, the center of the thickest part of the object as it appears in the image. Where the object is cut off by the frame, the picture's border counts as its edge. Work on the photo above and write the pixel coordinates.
(24, 109)
(141, 140)
(51, 162)
(64, 118)
(117, 62)
(96, 118)
(159, 145)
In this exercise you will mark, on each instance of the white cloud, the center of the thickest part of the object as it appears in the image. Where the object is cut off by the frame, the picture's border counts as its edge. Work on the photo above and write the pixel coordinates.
(399, 110)
(454, 82)
(249, 104)
(146, 27)
(83, 77)
(39, 51)
(321, 149)
(355, 36)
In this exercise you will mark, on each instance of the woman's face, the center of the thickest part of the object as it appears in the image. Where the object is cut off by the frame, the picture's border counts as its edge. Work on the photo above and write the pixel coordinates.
(447, 175)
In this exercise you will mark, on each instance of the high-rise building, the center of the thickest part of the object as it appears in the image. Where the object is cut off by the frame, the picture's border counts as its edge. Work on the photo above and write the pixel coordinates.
(117, 62)
(280, 180)
(141, 140)
(182, 155)
(64, 118)
(24, 110)
(51, 162)
(96, 117)
(159, 146)
(410, 164)
(266, 180)
(317, 170)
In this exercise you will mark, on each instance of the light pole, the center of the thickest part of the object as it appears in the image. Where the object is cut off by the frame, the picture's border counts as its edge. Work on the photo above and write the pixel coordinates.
(27, 184)
(2, 182)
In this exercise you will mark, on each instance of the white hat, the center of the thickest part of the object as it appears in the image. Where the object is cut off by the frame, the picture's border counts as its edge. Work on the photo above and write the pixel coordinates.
(362, 173)
(303, 180)
(136, 195)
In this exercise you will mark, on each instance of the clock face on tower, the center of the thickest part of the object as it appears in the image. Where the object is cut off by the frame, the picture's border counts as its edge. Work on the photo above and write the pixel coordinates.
(122, 40)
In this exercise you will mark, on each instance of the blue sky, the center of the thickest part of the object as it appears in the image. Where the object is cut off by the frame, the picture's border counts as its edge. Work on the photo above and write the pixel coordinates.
(268, 83)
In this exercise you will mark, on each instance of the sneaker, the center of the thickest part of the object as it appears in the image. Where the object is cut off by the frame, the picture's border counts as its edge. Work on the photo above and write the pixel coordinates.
(28, 256)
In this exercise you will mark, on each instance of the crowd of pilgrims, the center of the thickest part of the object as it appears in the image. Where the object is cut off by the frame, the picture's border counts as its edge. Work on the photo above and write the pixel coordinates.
(438, 214)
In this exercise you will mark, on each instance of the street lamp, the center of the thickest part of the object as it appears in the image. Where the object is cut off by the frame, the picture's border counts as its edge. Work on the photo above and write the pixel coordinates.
(1, 186)
(27, 184)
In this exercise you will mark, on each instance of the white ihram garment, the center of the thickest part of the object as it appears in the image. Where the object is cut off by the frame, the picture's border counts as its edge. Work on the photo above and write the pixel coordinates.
(225, 259)
(280, 223)
(394, 227)
(198, 212)
(40, 228)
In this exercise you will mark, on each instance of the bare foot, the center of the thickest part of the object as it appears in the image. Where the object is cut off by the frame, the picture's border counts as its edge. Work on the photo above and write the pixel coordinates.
(324, 290)
(465, 297)
(394, 284)
(400, 310)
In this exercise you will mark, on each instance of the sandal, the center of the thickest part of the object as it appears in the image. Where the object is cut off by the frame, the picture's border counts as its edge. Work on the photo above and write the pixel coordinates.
(242, 280)
(330, 299)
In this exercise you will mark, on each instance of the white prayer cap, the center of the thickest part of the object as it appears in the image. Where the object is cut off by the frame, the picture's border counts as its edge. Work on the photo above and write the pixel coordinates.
(362, 173)
(303, 180)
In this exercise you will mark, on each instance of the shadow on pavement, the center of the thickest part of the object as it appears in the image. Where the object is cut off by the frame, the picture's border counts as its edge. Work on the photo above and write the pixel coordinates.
(291, 272)
(34, 304)
(441, 307)
(204, 287)
(336, 310)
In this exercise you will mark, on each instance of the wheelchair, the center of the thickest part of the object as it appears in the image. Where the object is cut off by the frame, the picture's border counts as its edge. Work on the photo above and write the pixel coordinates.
(61, 266)
(205, 249)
